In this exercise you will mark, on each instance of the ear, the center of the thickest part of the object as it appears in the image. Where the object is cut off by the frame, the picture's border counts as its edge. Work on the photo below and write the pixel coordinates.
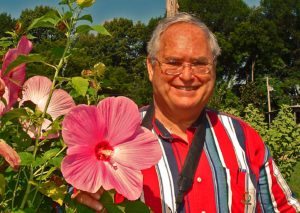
(150, 69)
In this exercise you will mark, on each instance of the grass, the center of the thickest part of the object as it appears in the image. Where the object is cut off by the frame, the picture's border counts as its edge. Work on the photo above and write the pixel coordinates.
(294, 182)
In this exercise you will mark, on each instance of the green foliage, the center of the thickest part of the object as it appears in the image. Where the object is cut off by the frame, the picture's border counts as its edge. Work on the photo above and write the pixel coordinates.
(224, 97)
(252, 93)
(6, 24)
(257, 120)
(282, 137)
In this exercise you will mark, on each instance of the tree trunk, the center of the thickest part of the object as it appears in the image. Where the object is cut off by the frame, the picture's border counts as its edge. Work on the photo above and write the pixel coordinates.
(172, 7)
(252, 69)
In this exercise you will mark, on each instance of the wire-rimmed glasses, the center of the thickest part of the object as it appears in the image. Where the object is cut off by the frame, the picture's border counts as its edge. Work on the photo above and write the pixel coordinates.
(174, 67)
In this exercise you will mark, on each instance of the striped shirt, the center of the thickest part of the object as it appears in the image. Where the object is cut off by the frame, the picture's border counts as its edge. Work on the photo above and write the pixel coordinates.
(235, 173)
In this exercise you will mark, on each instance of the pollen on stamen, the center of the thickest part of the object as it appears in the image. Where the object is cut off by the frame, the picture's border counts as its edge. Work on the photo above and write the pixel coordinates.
(103, 151)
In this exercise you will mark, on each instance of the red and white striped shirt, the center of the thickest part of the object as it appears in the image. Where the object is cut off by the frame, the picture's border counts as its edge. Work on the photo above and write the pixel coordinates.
(235, 174)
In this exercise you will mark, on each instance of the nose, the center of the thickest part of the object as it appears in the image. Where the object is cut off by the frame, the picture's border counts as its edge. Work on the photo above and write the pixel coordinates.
(187, 72)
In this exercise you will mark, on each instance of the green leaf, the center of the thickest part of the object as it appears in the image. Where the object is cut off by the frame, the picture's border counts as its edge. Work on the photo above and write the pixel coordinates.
(63, 2)
(136, 207)
(50, 171)
(87, 17)
(68, 15)
(80, 85)
(49, 20)
(38, 161)
(50, 153)
(98, 28)
(57, 52)
(101, 29)
(24, 59)
(12, 114)
(2, 185)
(108, 201)
(83, 28)
(26, 158)
(6, 43)
(56, 161)
(50, 189)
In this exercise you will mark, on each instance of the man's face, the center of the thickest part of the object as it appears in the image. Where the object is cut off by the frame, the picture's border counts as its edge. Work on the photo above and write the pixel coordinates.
(185, 43)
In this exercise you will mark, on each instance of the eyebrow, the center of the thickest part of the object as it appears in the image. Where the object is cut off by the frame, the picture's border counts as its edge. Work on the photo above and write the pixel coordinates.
(201, 59)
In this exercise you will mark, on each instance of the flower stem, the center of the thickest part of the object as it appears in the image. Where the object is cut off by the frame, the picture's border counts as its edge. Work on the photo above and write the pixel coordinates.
(15, 190)
(57, 68)
(27, 191)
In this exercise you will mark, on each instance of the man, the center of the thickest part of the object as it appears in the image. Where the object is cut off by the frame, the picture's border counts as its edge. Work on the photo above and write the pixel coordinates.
(234, 171)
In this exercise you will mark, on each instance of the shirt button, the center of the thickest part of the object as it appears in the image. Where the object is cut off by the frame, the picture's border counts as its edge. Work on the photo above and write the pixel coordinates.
(199, 180)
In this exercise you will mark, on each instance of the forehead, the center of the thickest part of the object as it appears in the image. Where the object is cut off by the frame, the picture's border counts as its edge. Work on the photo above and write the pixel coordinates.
(184, 39)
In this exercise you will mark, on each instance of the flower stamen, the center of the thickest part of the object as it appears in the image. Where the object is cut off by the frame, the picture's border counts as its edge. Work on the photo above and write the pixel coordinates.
(103, 151)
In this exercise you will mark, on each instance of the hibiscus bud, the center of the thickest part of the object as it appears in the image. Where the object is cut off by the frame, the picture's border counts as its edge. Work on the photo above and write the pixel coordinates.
(85, 3)
(18, 27)
(2, 88)
(99, 69)
(57, 180)
(93, 84)
(87, 73)
(61, 26)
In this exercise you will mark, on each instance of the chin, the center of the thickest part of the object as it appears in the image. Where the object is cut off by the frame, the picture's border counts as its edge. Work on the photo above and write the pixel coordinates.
(188, 104)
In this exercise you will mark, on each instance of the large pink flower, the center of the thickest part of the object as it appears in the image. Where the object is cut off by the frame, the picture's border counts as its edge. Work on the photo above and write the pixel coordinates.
(13, 80)
(37, 89)
(107, 147)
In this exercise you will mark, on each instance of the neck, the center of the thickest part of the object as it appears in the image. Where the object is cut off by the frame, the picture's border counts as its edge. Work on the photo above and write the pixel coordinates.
(177, 121)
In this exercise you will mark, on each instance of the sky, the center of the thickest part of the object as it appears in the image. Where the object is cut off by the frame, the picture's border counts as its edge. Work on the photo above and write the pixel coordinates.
(136, 10)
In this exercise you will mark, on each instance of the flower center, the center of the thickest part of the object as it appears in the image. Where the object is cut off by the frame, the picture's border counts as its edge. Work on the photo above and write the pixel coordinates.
(103, 151)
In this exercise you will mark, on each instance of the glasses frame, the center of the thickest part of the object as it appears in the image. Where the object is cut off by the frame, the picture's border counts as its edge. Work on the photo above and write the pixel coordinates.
(180, 68)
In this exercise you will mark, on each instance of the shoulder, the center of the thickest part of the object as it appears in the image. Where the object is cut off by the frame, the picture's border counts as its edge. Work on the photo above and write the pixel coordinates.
(246, 135)
(232, 119)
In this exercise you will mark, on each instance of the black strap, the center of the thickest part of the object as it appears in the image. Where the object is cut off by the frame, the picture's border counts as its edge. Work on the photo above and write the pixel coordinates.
(147, 120)
(191, 162)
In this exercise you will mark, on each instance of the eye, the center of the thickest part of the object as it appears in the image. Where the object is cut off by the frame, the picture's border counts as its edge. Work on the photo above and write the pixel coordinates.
(199, 64)
(173, 62)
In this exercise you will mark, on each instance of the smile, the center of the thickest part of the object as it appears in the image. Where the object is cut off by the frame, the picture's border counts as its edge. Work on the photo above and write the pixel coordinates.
(186, 88)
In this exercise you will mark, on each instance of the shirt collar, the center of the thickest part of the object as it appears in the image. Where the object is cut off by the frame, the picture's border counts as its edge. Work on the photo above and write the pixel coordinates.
(163, 132)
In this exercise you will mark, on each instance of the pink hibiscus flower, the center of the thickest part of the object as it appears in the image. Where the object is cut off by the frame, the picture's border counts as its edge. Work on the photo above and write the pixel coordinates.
(11, 82)
(107, 147)
(36, 89)
(10, 155)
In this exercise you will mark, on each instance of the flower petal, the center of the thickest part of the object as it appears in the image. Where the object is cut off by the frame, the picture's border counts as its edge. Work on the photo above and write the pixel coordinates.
(60, 104)
(23, 48)
(36, 89)
(9, 154)
(83, 171)
(140, 153)
(125, 181)
(122, 118)
(82, 126)
(15, 78)
(24, 45)
(4, 107)
(32, 130)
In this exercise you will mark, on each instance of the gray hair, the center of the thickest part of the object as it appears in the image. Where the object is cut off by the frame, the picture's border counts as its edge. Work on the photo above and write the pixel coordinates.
(153, 44)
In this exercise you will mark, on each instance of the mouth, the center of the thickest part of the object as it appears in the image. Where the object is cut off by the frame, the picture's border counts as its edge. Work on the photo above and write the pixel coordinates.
(187, 88)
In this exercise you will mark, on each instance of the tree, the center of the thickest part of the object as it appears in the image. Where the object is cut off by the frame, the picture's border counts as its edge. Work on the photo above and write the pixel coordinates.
(7, 23)
(220, 15)
(28, 15)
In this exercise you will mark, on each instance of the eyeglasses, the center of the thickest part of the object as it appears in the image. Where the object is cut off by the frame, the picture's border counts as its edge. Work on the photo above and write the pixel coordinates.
(174, 67)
